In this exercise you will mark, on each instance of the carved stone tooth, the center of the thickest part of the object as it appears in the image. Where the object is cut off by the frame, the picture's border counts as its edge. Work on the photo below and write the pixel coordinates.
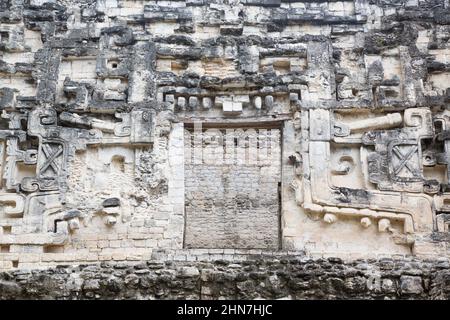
(257, 101)
(207, 102)
(268, 101)
(193, 102)
(111, 221)
(366, 222)
(384, 225)
(181, 103)
(330, 218)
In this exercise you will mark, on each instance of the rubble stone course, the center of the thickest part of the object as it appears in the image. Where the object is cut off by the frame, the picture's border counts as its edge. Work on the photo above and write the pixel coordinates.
(149, 131)
(256, 277)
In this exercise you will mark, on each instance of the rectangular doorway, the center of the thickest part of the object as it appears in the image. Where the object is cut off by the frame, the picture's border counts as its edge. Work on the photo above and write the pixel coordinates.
(232, 181)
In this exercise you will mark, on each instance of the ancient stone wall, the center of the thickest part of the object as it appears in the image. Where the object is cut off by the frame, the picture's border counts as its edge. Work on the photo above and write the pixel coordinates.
(232, 197)
(97, 97)
(271, 276)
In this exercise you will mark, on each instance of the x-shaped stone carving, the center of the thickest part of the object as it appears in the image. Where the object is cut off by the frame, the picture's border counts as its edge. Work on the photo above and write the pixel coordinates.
(51, 154)
(404, 159)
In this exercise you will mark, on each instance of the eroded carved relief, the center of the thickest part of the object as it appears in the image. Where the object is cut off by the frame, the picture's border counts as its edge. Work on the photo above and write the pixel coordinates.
(389, 154)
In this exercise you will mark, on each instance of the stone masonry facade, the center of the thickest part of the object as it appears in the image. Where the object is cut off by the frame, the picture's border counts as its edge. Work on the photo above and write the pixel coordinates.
(181, 133)
(232, 202)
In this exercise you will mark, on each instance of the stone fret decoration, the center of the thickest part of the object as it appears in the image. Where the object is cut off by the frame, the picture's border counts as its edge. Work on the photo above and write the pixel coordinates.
(137, 130)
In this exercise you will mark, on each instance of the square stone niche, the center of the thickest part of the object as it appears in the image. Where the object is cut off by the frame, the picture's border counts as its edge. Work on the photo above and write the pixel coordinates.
(232, 187)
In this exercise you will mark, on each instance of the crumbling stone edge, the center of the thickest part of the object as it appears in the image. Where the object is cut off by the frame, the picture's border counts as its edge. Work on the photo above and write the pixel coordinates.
(288, 277)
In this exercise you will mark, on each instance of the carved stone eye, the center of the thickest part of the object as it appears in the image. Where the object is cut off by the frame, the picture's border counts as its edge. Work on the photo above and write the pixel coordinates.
(429, 158)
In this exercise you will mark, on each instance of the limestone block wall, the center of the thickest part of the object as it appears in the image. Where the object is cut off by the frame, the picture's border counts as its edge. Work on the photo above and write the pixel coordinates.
(232, 198)
(97, 97)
